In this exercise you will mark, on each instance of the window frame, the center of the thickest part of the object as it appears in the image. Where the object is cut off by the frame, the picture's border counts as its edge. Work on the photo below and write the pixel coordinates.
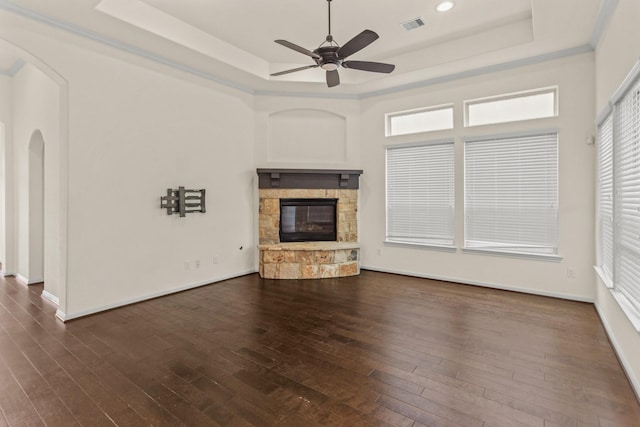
(388, 117)
(620, 156)
(509, 96)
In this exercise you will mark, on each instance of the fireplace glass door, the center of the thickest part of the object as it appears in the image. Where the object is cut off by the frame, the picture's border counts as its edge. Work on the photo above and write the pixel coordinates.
(307, 220)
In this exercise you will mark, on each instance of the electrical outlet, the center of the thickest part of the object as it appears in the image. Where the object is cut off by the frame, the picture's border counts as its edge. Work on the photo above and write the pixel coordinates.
(216, 259)
(379, 252)
(196, 264)
(571, 273)
(187, 266)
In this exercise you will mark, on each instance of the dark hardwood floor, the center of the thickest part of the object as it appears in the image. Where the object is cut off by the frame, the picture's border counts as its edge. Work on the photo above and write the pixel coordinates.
(376, 349)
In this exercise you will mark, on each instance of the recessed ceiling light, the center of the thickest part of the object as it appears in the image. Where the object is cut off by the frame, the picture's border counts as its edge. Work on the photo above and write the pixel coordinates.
(445, 6)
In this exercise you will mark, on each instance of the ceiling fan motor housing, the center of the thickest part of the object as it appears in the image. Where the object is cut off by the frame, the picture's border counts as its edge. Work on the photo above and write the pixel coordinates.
(328, 60)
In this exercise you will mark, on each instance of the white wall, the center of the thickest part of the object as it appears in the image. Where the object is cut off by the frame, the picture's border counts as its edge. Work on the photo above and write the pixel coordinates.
(132, 133)
(6, 252)
(575, 78)
(36, 108)
(617, 52)
(313, 133)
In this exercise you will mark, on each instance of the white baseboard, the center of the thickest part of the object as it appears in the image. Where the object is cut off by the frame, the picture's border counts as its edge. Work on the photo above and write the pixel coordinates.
(69, 316)
(25, 280)
(482, 284)
(50, 297)
(635, 382)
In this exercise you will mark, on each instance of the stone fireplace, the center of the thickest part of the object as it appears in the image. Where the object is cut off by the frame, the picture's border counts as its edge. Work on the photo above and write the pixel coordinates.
(316, 257)
(304, 220)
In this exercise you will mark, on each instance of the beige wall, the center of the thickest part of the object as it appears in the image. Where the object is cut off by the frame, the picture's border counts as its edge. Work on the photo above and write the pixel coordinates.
(617, 52)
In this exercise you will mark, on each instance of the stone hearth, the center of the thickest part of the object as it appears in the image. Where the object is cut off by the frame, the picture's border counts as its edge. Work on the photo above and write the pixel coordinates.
(308, 260)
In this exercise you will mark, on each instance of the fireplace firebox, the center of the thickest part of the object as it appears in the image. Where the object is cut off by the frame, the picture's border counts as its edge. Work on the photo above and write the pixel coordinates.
(308, 220)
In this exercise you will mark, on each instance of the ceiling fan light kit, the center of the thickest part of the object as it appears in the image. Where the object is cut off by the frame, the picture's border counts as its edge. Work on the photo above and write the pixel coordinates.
(330, 55)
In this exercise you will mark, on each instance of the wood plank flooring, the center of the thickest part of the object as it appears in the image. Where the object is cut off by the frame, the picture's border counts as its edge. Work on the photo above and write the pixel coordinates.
(372, 350)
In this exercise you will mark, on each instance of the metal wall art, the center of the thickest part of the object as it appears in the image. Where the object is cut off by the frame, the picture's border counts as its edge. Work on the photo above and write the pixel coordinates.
(182, 201)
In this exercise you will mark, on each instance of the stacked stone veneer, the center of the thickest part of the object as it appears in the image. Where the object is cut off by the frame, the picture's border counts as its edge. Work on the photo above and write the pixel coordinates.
(308, 260)
(269, 213)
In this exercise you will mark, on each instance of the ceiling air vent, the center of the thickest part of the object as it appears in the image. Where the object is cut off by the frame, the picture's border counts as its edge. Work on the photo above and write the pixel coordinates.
(413, 24)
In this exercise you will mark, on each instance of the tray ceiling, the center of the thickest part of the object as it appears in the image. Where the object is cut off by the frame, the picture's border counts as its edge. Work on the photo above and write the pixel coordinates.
(233, 40)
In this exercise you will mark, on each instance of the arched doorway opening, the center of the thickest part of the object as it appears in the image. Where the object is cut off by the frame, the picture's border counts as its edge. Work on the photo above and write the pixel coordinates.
(36, 208)
(3, 231)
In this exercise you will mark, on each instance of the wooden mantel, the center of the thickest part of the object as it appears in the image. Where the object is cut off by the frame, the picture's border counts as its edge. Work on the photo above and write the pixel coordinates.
(309, 178)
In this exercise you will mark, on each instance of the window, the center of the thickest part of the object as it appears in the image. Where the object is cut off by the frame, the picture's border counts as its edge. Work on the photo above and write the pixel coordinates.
(511, 193)
(627, 200)
(619, 203)
(511, 107)
(420, 194)
(422, 120)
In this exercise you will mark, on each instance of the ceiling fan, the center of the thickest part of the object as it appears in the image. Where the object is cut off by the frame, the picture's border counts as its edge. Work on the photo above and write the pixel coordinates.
(330, 55)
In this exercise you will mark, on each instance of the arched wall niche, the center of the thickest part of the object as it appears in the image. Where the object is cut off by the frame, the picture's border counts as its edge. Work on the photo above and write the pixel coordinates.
(307, 136)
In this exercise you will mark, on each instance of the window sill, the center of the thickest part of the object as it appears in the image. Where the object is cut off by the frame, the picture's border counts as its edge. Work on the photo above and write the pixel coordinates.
(607, 282)
(432, 246)
(532, 256)
(627, 308)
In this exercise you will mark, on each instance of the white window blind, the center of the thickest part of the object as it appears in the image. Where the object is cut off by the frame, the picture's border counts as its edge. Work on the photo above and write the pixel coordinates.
(511, 193)
(627, 195)
(420, 194)
(605, 196)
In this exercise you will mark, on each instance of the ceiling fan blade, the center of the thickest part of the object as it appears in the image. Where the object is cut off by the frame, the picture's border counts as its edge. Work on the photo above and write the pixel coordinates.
(357, 43)
(376, 67)
(333, 78)
(295, 69)
(298, 48)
